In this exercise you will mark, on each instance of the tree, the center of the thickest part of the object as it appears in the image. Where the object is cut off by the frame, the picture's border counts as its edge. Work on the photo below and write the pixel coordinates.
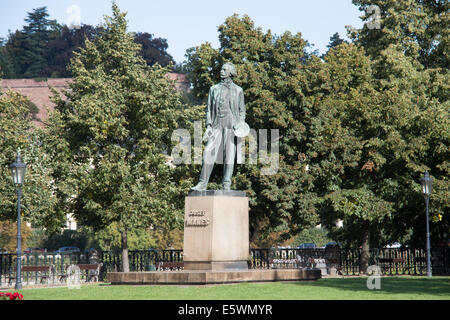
(419, 28)
(410, 63)
(18, 133)
(8, 235)
(335, 40)
(392, 130)
(6, 62)
(61, 48)
(273, 72)
(109, 137)
(10, 53)
(28, 49)
(319, 236)
(341, 151)
(154, 50)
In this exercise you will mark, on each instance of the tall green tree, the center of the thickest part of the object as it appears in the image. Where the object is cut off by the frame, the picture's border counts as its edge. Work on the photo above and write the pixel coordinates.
(110, 135)
(273, 72)
(356, 133)
(418, 27)
(410, 57)
(61, 48)
(6, 62)
(29, 47)
(17, 132)
(394, 132)
(154, 50)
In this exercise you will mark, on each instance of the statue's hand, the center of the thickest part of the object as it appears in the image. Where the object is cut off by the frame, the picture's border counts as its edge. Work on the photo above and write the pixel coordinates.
(207, 134)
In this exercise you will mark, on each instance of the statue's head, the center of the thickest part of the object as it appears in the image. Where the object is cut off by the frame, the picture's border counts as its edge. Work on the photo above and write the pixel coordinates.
(228, 71)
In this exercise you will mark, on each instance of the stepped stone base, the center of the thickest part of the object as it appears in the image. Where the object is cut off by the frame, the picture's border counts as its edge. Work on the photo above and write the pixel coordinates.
(200, 277)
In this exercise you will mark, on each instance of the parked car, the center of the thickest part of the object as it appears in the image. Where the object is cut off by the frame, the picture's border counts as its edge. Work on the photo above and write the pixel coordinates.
(332, 244)
(68, 250)
(395, 245)
(35, 250)
(308, 245)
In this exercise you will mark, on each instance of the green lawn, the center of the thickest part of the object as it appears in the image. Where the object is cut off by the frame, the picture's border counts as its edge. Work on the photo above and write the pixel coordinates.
(392, 288)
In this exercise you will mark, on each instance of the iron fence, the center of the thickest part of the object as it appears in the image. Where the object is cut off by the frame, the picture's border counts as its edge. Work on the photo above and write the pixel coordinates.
(58, 263)
(346, 261)
(139, 260)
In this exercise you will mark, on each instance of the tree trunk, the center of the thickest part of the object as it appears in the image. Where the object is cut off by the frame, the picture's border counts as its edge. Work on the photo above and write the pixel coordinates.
(364, 263)
(125, 262)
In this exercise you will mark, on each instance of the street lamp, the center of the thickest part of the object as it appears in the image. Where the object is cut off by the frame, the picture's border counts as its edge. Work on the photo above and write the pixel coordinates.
(427, 187)
(18, 169)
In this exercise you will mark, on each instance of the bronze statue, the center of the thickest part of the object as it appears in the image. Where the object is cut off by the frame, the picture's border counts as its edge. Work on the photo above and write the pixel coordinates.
(225, 120)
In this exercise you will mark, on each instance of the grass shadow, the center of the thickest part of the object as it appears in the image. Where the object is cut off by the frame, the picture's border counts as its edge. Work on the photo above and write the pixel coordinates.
(436, 286)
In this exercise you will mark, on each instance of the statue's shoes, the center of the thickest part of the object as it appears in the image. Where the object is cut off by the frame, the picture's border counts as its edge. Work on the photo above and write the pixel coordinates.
(199, 187)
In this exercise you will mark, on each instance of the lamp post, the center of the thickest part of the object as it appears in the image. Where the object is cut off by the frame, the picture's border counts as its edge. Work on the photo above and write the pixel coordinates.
(427, 187)
(18, 169)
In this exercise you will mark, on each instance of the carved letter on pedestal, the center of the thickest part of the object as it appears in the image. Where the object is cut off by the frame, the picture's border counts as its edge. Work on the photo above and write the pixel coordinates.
(197, 218)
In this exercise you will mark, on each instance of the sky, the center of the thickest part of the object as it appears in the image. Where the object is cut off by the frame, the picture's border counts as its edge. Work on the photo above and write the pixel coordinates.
(187, 24)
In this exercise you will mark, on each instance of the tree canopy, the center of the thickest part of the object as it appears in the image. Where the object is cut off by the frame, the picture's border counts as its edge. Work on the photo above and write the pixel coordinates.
(109, 137)
(273, 71)
(357, 126)
(18, 134)
(43, 48)
(357, 129)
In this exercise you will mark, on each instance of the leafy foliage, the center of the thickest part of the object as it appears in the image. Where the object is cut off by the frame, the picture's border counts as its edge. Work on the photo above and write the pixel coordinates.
(43, 48)
(18, 133)
(154, 50)
(418, 28)
(357, 130)
(319, 236)
(8, 235)
(410, 65)
(272, 71)
(109, 137)
(27, 49)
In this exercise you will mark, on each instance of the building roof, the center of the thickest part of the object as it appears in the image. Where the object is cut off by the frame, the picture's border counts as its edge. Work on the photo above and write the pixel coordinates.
(39, 91)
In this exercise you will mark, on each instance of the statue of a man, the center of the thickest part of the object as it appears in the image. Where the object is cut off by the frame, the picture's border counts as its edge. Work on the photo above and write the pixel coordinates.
(225, 119)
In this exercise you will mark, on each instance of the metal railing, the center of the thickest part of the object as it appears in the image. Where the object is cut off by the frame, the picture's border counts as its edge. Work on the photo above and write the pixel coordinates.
(346, 261)
(139, 260)
(58, 263)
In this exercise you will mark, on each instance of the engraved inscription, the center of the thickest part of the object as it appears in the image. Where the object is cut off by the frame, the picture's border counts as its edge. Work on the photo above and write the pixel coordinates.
(197, 218)
(197, 213)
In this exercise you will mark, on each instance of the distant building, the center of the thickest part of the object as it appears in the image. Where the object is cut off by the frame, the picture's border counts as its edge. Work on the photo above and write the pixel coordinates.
(39, 92)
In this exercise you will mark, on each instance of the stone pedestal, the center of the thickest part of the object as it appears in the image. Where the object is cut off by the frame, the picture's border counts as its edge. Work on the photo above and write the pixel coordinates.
(216, 230)
(216, 247)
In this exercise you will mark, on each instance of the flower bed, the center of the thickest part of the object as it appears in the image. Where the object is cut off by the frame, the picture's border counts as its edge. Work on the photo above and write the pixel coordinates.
(10, 296)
